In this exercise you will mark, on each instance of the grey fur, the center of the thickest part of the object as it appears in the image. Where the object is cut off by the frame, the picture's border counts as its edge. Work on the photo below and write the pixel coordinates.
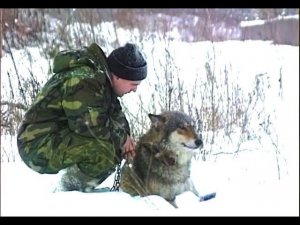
(163, 158)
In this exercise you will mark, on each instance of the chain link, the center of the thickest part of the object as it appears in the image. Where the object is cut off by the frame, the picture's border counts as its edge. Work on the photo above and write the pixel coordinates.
(116, 185)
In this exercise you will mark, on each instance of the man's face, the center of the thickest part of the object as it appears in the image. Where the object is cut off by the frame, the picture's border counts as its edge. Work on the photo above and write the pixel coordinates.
(122, 86)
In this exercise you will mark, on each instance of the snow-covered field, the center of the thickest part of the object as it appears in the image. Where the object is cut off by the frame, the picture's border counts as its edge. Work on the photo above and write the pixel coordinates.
(247, 183)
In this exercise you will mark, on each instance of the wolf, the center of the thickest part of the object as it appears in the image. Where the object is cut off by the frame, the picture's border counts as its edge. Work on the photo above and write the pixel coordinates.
(163, 158)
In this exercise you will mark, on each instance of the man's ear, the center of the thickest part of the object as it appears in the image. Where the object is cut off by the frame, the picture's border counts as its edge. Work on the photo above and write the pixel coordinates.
(114, 76)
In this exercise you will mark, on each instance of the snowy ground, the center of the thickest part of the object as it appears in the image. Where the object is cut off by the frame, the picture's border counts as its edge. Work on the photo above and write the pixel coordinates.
(27, 193)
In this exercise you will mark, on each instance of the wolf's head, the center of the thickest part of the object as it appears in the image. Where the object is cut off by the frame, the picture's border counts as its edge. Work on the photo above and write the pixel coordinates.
(176, 129)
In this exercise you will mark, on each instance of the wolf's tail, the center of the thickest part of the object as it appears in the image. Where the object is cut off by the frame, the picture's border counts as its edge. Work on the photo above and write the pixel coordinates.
(207, 197)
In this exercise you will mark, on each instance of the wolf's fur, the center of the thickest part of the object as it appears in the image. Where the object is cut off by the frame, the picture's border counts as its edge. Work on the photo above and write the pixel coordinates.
(163, 158)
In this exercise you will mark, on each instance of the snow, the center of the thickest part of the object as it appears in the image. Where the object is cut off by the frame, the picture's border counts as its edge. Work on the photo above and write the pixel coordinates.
(27, 193)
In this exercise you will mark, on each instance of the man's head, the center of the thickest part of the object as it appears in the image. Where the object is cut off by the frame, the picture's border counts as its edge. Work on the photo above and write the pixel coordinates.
(128, 68)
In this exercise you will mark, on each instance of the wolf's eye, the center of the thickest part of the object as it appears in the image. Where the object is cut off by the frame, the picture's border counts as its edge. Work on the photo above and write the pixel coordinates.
(182, 126)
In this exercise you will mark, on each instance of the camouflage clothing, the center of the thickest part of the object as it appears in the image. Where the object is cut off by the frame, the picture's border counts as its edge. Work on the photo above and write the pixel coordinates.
(76, 118)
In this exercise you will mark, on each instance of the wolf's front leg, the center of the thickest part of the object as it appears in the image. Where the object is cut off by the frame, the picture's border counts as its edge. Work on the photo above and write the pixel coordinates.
(201, 197)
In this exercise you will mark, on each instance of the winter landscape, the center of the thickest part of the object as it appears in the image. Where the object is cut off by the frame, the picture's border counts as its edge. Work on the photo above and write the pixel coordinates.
(244, 96)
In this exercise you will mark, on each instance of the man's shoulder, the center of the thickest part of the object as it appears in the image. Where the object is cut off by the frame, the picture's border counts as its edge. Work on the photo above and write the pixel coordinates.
(98, 56)
(92, 56)
(84, 74)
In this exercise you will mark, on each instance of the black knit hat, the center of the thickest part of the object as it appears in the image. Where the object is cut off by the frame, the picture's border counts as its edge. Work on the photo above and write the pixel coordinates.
(128, 63)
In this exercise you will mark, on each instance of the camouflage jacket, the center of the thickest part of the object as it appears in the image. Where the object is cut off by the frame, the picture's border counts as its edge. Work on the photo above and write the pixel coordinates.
(78, 96)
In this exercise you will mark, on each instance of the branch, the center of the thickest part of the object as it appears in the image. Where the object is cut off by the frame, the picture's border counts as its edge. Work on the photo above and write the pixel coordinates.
(14, 105)
(18, 76)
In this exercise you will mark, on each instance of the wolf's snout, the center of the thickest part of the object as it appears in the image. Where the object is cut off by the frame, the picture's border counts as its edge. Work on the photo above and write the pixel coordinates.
(198, 142)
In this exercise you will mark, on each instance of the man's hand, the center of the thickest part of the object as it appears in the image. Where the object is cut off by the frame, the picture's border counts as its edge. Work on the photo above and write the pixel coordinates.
(128, 149)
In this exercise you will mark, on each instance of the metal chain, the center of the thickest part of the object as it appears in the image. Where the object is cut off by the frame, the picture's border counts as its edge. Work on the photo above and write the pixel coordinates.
(116, 185)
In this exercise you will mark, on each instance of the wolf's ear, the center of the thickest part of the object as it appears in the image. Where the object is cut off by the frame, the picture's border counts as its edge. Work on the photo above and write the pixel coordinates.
(156, 118)
(157, 121)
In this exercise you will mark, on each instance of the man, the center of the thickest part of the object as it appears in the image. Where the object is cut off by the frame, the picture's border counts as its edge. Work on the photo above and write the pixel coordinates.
(77, 118)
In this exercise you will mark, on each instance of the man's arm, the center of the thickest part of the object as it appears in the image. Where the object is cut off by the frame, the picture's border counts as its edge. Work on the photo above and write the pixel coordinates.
(119, 120)
(87, 110)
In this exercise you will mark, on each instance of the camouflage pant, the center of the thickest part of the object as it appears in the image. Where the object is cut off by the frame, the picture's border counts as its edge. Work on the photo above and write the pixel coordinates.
(53, 152)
